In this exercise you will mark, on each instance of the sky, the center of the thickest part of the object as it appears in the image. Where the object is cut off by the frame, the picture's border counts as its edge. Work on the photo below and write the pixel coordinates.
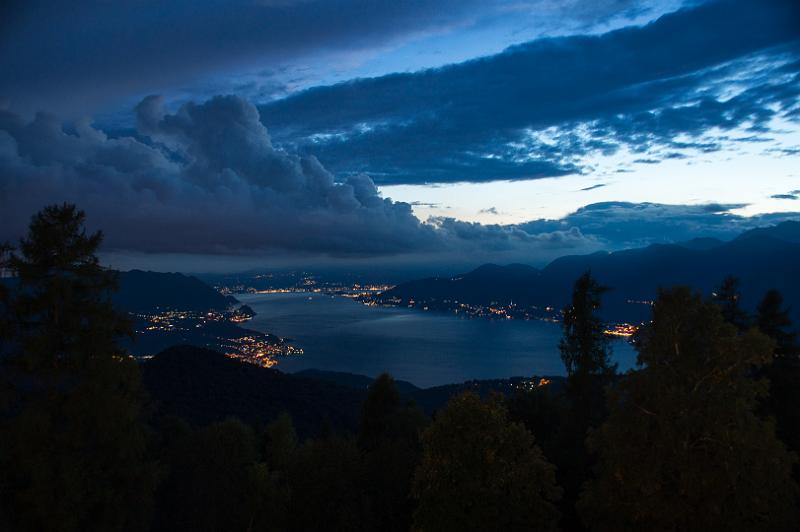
(225, 135)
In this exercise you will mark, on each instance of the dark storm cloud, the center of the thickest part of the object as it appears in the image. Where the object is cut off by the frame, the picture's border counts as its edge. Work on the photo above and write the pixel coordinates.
(207, 179)
(95, 50)
(97, 46)
(536, 109)
(621, 225)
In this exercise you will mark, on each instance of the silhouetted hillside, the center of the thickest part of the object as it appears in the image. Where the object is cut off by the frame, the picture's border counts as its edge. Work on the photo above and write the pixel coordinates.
(205, 386)
(141, 291)
(763, 258)
(352, 380)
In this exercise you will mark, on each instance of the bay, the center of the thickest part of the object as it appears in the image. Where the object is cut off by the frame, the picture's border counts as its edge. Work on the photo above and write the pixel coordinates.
(425, 348)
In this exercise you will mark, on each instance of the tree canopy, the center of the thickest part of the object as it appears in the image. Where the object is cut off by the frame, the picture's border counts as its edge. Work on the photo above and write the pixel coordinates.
(479, 471)
(683, 447)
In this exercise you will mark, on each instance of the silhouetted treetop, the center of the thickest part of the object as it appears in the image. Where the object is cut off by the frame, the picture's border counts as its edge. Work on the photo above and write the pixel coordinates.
(683, 447)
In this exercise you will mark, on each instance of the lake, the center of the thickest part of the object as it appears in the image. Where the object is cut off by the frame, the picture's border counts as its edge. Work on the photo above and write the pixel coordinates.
(425, 348)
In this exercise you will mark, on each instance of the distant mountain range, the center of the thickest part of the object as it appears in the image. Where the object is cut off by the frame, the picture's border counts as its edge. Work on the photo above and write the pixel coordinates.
(762, 259)
(144, 292)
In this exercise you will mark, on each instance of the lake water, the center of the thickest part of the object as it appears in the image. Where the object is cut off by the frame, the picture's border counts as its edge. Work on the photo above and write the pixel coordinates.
(425, 348)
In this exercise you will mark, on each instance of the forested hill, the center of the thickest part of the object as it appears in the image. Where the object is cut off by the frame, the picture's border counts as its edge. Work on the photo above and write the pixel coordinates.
(141, 291)
(762, 259)
(205, 386)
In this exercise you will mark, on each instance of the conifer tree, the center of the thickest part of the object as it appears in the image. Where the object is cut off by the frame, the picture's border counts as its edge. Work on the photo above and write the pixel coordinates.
(586, 354)
(728, 297)
(774, 321)
(73, 447)
(389, 440)
(784, 372)
(683, 447)
(585, 349)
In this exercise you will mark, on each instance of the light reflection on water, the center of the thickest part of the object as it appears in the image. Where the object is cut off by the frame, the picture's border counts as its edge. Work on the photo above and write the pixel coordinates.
(425, 348)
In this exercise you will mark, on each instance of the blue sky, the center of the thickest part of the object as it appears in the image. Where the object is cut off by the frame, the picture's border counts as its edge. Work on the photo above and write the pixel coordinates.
(342, 128)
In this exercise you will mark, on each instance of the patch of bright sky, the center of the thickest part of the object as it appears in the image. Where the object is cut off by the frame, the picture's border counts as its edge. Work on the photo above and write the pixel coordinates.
(740, 173)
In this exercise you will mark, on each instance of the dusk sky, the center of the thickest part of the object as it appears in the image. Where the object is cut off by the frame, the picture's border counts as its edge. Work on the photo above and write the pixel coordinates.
(214, 135)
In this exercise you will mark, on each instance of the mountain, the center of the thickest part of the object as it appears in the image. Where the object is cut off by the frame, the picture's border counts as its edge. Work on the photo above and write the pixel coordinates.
(487, 283)
(701, 243)
(204, 386)
(762, 258)
(787, 231)
(143, 292)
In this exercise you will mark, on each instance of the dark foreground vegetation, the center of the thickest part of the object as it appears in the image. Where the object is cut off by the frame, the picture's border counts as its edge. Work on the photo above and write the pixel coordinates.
(702, 436)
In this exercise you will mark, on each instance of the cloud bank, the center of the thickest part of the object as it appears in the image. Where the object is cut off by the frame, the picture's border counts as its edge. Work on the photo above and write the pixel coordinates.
(208, 180)
(84, 52)
(620, 225)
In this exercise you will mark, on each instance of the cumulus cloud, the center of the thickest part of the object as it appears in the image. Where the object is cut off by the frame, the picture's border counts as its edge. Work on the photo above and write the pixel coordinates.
(689, 82)
(619, 225)
(207, 179)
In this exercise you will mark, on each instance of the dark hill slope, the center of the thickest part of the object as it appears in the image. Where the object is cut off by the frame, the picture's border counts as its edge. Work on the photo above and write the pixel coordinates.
(204, 386)
(141, 291)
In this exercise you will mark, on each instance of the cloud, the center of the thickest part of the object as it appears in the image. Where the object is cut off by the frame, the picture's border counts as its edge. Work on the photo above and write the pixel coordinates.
(490, 210)
(207, 179)
(593, 187)
(82, 52)
(620, 225)
(682, 84)
(791, 196)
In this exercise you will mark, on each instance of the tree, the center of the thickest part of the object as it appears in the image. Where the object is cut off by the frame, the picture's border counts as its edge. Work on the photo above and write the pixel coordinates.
(73, 445)
(380, 407)
(784, 372)
(773, 320)
(728, 298)
(481, 472)
(5, 299)
(585, 349)
(281, 443)
(683, 448)
(326, 482)
(216, 480)
(389, 440)
(542, 413)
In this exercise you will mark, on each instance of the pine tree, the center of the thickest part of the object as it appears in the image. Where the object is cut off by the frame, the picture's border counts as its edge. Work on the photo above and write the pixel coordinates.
(784, 372)
(683, 447)
(481, 472)
(5, 300)
(728, 297)
(774, 321)
(73, 447)
(389, 440)
(585, 349)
